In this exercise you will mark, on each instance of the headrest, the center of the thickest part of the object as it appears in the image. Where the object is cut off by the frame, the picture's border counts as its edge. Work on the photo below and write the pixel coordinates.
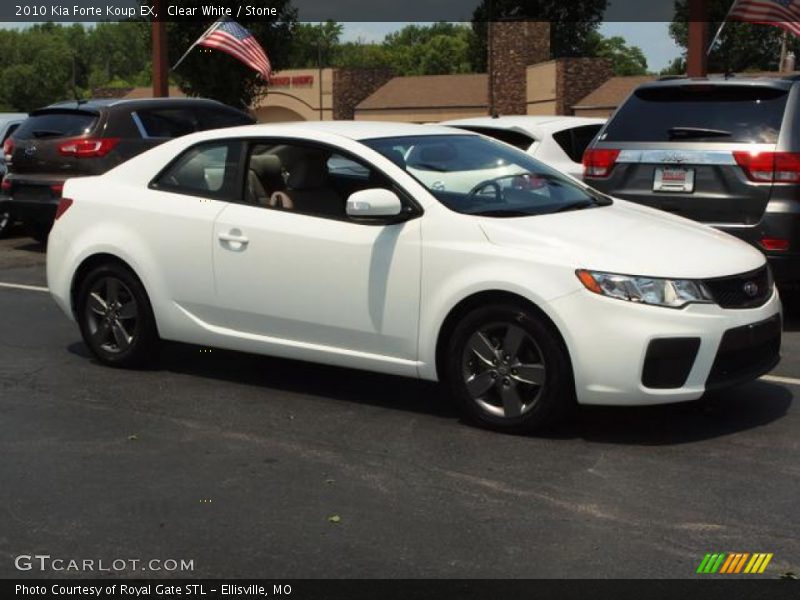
(438, 153)
(265, 165)
(310, 172)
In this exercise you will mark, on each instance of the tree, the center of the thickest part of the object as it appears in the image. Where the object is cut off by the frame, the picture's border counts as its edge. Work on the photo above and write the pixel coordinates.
(314, 43)
(218, 75)
(571, 23)
(741, 47)
(626, 60)
(39, 71)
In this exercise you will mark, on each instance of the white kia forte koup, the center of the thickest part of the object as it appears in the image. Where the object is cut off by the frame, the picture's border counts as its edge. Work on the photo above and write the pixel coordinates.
(523, 292)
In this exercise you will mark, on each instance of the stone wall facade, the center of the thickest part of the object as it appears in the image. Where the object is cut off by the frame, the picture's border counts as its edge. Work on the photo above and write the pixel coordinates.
(351, 86)
(513, 45)
(578, 77)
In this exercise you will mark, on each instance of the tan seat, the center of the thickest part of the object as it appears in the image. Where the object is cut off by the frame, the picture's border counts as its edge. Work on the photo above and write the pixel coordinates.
(264, 177)
(308, 189)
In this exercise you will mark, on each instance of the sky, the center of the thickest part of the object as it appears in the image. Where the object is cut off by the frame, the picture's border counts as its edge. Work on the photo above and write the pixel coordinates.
(652, 38)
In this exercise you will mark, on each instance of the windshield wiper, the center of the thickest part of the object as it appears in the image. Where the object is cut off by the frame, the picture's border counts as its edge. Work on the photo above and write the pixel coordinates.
(41, 133)
(427, 167)
(695, 132)
(579, 205)
(499, 212)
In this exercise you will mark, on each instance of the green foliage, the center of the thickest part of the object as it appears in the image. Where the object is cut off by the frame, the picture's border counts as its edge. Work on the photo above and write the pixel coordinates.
(741, 47)
(571, 24)
(414, 50)
(215, 74)
(626, 60)
(48, 62)
(312, 44)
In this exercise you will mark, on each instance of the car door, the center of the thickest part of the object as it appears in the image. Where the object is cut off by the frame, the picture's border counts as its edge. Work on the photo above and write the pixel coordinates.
(305, 280)
(181, 205)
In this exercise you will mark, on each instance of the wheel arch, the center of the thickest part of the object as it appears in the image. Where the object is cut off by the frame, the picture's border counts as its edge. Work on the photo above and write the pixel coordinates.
(89, 263)
(483, 298)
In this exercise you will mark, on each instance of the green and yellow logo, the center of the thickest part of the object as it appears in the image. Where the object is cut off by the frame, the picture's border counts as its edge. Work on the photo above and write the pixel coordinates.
(732, 563)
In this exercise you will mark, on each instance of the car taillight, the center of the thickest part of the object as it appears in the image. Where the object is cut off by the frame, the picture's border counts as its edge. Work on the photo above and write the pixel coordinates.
(774, 244)
(63, 205)
(87, 147)
(57, 188)
(599, 162)
(5, 186)
(770, 167)
(8, 149)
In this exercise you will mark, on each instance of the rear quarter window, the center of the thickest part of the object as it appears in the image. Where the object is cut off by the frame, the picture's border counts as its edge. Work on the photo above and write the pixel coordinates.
(167, 122)
(738, 114)
(56, 124)
(574, 141)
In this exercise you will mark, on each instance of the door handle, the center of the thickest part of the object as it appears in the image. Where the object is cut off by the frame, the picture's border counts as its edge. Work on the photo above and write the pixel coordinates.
(234, 236)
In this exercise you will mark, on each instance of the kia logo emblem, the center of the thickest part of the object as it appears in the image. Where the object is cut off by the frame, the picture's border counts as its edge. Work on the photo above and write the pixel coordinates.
(751, 289)
(30, 150)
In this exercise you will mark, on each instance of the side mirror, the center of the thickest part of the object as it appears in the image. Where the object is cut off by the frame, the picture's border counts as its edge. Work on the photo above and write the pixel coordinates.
(374, 202)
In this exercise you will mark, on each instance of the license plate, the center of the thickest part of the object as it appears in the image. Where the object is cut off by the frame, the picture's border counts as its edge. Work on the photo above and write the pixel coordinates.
(673, 179)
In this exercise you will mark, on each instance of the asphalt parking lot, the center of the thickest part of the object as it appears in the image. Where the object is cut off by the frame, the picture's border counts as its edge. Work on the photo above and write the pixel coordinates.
(252, 466)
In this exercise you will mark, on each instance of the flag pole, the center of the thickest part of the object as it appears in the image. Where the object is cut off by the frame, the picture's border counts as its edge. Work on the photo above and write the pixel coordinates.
(213, 26)
(784, 42)
(721, 27)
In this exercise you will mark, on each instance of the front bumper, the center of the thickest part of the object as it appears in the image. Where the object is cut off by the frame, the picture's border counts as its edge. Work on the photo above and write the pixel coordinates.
(609, 339)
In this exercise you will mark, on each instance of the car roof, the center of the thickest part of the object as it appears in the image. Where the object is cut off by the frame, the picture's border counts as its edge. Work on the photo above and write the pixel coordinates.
(354, 130)
(95, 104)
(527, 123)
(783, 83)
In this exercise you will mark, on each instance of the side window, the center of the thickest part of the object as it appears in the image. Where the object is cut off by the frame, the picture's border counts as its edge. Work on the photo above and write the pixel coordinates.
(165, 122)
(209, 118)
(207, 170)
(574, 141)
(306, 179)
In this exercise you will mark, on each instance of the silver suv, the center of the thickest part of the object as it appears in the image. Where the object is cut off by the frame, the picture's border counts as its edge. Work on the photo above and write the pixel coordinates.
(725, 152)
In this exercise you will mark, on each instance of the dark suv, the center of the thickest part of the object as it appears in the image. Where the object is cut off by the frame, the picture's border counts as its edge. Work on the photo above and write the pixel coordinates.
(88, 138)
(725, 152)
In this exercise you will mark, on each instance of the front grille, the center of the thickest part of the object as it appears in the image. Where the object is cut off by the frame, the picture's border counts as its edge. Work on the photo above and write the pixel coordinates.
(746, 353)
(748, 290)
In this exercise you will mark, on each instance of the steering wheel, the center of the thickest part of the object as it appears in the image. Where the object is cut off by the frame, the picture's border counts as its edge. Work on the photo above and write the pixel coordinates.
(492, 183)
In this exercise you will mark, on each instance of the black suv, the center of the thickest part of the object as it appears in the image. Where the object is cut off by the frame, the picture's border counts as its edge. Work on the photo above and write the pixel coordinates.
(725, 152)
(88, 138)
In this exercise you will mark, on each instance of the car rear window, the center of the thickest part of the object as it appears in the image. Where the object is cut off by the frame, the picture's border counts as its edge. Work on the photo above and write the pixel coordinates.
(574, 141)
(56, 124)
(728, 113)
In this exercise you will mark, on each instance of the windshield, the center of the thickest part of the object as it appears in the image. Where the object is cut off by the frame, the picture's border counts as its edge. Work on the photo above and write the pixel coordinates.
(480, 176)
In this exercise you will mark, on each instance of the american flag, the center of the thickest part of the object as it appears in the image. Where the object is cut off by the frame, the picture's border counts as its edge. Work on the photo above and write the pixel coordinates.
(781, 13)
(230, 37)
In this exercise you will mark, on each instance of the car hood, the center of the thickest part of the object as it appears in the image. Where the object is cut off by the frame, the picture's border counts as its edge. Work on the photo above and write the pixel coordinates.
(627, 238)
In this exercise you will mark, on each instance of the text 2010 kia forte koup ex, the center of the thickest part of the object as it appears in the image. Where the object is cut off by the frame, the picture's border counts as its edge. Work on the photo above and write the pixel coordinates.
(416, 251)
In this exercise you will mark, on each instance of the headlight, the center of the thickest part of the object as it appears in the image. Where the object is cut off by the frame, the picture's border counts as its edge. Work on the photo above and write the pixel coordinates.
(673, 293)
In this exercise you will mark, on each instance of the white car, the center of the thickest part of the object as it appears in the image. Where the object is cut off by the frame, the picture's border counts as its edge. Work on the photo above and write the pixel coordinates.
(311, 241)
(555, 140)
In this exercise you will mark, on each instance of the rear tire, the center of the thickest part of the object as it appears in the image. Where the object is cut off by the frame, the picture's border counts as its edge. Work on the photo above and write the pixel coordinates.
(6, 222)
(509, 369)
(39, 231)
(115, 317)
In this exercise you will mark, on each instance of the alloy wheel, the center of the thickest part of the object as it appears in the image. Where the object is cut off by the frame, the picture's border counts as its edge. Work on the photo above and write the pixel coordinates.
(112, 315)
(503, 370)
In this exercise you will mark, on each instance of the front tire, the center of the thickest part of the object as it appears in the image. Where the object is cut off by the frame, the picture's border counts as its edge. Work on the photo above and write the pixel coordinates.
(509, 369)
(115, 317)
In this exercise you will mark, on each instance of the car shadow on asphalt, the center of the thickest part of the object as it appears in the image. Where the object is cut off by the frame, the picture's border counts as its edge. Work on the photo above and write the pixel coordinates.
(717, 415)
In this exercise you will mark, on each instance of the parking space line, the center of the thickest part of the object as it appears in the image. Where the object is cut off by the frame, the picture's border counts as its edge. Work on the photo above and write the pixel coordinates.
(20, 286)
(777, 379)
